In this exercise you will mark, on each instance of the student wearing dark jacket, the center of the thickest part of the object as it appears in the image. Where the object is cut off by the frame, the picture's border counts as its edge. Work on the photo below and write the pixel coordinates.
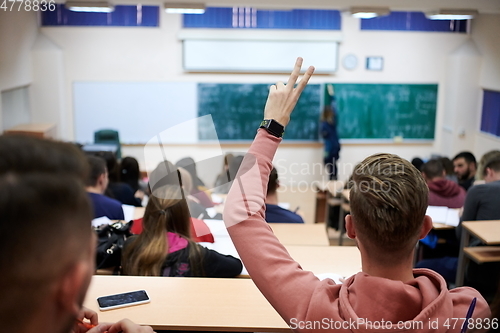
(275, 213)
(97, 183)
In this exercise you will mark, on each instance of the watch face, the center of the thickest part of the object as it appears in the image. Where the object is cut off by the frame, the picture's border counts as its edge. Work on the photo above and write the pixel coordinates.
(350, 62)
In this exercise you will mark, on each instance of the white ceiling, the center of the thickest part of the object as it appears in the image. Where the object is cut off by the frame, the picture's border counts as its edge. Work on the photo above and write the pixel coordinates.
(483, 6)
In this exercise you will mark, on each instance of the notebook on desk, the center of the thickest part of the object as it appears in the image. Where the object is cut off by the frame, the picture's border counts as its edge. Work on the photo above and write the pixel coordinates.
(443, 215)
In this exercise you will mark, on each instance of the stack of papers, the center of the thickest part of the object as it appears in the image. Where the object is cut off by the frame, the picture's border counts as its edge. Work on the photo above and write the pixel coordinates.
(100, 221)
(128, 212)
(443, 215)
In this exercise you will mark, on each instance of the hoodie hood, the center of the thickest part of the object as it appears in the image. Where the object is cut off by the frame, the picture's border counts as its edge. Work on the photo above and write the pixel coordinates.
(420, 305)
(444, 188)
(444, 192)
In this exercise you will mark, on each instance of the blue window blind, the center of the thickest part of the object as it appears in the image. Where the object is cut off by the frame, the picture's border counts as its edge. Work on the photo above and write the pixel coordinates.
(122, 16)
(413, 21)
(490, 119)
(252, 18)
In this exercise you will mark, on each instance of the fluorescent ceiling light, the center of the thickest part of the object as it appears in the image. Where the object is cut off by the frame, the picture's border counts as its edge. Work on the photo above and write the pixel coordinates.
(184, 8)
(452, 14)
(90, 6)
(369, 12)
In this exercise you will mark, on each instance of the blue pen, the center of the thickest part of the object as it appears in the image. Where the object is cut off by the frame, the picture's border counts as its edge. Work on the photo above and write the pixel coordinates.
(469, 315)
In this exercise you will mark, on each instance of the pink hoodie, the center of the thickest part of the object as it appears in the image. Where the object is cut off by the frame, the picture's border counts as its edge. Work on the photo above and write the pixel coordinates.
(363, 303)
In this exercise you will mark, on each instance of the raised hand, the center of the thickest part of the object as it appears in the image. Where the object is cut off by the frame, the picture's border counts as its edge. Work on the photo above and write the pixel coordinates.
(282, 98)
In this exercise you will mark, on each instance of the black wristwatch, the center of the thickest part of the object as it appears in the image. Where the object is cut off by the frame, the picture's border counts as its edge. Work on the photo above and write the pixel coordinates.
(273, 127)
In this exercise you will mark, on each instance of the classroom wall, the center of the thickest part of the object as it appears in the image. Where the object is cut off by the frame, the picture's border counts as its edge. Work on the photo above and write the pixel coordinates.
(18, 30)
(486, 34)
(155, 54)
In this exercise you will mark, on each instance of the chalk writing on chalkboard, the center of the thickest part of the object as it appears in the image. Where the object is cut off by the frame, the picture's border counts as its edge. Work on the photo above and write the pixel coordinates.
(238, 109)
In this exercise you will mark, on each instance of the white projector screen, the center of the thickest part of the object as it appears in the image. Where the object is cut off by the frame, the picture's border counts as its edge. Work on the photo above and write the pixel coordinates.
(259, 56)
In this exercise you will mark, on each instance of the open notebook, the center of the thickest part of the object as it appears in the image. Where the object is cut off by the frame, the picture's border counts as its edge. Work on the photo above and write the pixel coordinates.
(443, 215)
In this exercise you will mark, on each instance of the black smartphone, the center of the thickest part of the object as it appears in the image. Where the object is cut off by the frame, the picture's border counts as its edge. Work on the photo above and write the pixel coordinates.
(122, 300)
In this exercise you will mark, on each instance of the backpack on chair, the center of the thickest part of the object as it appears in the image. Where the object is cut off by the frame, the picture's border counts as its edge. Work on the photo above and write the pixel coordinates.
(110, 242)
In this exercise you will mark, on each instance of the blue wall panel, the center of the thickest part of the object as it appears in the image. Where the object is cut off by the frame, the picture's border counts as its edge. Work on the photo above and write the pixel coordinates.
(412, 21)
(490, 119)
(122, 16)
(251, 18)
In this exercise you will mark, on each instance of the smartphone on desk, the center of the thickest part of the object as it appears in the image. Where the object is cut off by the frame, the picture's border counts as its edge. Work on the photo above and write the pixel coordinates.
(122, 300)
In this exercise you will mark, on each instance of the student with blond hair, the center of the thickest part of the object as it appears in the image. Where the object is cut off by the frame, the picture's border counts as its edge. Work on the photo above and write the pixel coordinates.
(388, 204)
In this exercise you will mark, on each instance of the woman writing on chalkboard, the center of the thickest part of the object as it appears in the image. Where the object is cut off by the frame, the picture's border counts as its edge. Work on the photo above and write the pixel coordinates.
(330, 136)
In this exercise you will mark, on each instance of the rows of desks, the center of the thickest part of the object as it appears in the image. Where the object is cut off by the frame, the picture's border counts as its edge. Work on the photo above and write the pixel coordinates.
(488, 232)
(207, 304)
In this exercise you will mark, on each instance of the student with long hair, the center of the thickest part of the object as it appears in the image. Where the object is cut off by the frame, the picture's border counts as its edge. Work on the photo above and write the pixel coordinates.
(222, 182)
(165, 247)
(130, 173)
(116, 188)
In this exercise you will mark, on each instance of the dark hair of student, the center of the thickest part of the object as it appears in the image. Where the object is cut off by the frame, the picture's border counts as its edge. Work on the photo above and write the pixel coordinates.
(467, 156)
(45, 213)
(111, 165)
(417, 163)
(433, 169)
(447, 165)
(189, 164)
(23, 154)
(97, 167)
(130, 172)
(272, 185)
(166, 211)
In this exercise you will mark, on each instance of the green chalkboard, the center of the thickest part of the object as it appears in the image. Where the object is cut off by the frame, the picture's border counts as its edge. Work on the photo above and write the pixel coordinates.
(383, 111)
(238, 109)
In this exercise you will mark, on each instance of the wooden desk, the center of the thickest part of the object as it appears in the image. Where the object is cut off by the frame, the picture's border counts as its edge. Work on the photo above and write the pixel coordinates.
(441, 226)
(190, 304)
(287, 233)
(300, 234)
(488, 232)
(37, 130)
(343, 260)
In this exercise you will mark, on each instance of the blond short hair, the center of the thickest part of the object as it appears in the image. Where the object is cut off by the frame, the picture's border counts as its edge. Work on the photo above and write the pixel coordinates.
(388, 203)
